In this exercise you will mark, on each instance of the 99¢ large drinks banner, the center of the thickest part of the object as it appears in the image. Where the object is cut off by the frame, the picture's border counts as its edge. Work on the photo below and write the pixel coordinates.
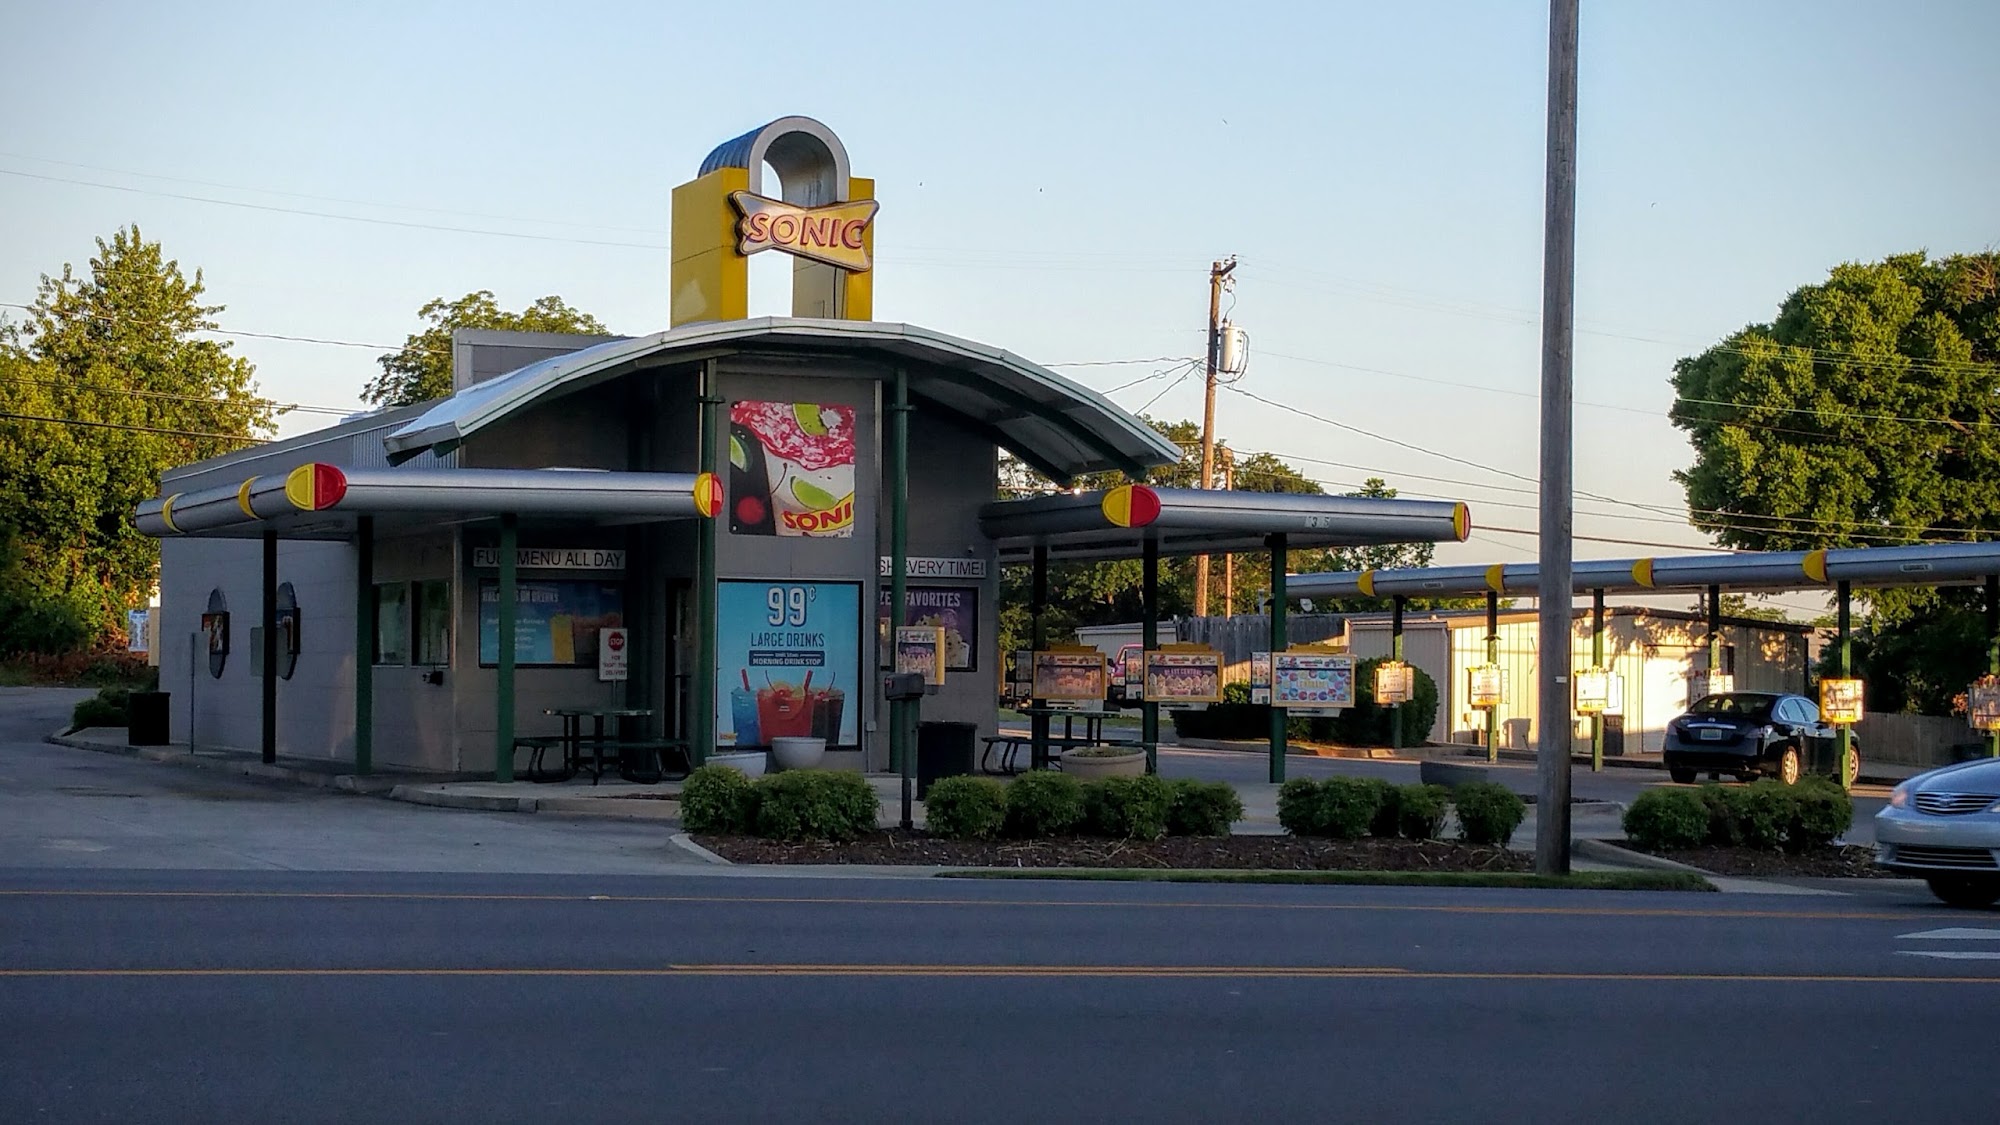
(789, 656)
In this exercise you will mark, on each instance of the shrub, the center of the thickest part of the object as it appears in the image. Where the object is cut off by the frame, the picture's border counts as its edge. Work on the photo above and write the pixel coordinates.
(110, 707)
(1488, 813)
(1347, 807)
(1365, 724)
(1668, 818)
(1386, 795)
(718, 800)
(815, 805)
(1757, 814)
(966, 808)
(1043, 803)
(1821, 810)
(1420, 811)
(1132, 808)
(1202, 808)
(1298, 806)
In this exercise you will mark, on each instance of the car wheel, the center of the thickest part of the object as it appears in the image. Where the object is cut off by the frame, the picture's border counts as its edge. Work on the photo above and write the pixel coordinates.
(1790, 766)
(1970, 891)
(1853, 765)
(1681, 776)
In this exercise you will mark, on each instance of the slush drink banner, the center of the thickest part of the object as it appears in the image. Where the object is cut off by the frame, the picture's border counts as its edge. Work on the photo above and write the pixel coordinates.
(788, 654)
(555, 623)
(791, 469)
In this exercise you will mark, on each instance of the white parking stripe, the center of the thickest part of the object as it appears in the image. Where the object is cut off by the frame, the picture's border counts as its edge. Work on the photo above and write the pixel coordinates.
(1954, 933)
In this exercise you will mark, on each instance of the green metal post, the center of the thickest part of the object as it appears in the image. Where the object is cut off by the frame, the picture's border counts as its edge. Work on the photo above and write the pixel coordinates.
(1714, 635)
(900, 750)
(364, 646)
(1279, 642)
(1597, 662)
(1149, 592)
(1993, 649)
(701, 691)
(1845, 594)
(1038, 602)
(267, 656)
(503, 737)
(1493, 658)
(1396, 654)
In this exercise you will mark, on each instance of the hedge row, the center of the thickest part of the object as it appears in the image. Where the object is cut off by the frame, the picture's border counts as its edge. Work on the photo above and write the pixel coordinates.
(1767, 815)
(834, 805)
(1363, 724)
(1348, 808)
(1043, 804)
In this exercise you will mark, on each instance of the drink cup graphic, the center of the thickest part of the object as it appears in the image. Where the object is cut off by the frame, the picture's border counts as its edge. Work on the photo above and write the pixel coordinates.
(783, 711)
(562, 639)
(826, 708)
(807, 450)
(743, 713)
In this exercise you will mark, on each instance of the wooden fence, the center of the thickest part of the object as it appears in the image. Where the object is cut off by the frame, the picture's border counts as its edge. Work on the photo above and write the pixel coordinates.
(1910, 740)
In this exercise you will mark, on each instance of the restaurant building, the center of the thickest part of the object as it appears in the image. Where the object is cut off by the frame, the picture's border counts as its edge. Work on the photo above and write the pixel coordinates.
(707, 525)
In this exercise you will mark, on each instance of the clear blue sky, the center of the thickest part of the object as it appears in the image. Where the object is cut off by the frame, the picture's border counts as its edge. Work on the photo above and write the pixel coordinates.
(1055, 179)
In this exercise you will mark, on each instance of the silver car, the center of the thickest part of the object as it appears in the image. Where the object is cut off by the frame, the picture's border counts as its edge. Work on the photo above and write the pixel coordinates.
(1944, 827)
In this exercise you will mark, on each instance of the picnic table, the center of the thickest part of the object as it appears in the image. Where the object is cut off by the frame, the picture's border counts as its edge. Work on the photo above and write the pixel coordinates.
(628, 751)
(1009, 746)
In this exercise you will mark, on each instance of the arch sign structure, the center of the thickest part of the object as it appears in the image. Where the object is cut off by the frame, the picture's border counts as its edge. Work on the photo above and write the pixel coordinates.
(822, 216)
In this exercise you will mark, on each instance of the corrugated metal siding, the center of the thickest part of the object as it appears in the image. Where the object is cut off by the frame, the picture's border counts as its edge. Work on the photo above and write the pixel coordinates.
(1239, 636)
(1426, 644)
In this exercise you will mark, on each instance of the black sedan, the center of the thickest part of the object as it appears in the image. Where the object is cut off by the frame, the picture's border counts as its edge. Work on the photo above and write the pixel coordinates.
(1752, 734)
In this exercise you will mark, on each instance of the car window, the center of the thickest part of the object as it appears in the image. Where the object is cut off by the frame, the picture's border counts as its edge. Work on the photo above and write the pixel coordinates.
(1808, 712)
(1732, 704)
(1784, 713)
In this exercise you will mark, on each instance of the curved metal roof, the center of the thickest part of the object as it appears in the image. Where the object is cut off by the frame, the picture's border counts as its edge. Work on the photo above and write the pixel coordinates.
(1064, 430)
(1921, 564)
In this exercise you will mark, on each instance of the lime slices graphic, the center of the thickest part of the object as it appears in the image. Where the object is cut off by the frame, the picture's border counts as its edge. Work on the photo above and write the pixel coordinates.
(807, 416)
(815, 499)
(738, 456)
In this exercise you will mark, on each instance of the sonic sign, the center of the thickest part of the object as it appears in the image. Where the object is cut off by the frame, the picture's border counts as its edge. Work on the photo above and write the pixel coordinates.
(833, 234)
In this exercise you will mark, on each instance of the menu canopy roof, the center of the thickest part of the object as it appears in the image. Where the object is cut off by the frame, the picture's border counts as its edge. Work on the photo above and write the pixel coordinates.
(1113, 523)
(320, 501)
(1062, 429)
(1925, 564)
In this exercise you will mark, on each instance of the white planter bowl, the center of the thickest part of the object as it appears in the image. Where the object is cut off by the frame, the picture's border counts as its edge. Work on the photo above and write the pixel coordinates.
(1090, 767)
(749, 762)
(798, 752)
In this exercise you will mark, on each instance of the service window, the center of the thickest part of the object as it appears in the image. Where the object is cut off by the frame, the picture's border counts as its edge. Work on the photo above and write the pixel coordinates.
(392, 623)
(432, 613)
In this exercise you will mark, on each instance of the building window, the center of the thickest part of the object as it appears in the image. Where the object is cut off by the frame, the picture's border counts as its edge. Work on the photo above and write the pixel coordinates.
(392, 623)
(433, 618)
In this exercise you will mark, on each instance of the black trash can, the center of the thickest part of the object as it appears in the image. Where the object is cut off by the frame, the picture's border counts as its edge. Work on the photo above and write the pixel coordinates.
(944, 750)
(1614, 735)
(146, 719)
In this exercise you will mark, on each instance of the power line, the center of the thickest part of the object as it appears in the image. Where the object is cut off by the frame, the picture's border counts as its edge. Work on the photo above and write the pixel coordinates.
(131, 427)
(281, 407)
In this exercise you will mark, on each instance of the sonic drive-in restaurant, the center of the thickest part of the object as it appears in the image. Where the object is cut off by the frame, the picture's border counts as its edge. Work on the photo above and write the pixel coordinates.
(713, 537)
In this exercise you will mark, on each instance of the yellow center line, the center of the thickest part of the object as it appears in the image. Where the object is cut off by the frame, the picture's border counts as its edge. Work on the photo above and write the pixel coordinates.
(807, 900)
(1159, 972)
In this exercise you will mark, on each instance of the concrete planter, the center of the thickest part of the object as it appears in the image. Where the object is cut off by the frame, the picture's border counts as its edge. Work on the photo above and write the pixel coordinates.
(798, 753)
(1089, 767)
(748, 762)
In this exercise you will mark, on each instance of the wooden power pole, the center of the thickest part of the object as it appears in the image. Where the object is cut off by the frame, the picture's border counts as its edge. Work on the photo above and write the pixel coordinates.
(1217, 275)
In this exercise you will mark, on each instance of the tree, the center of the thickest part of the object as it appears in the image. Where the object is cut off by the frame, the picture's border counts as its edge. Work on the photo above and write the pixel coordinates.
(422, 370)
(1864, 415)
(106, 385)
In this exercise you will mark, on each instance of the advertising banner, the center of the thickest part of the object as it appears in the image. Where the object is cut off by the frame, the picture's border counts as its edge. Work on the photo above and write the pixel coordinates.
(1260, 678)
(1177, 675)
(789, 653)
(1983, 704)
(1394, 682)
(955, 609)
(1488, 686)
(555, 623)
(791, 469)
(1312, 682)
(1840, 701)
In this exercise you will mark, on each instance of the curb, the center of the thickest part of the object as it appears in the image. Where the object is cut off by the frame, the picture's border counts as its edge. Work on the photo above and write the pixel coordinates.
(167, 755)
(684, 842)
(606, 808)
(1603, 851)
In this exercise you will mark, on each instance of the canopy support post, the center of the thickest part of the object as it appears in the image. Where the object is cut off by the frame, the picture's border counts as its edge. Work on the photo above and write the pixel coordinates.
(1493, 658)
(1279, 642)
(267, 653)
(702, 691)
(1038, 603)
(1846, 737)
(1993, 649)
(503, 736)
(1597, 664)
(900, 745)
(1149, 711)
(1396, 605)
(364, 646)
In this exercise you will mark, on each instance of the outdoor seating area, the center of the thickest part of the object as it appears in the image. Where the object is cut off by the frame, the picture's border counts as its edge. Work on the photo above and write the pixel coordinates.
(641, 760)
(1008, 748)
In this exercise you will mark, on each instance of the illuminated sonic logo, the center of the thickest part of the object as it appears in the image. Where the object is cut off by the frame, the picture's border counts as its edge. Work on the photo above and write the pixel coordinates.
(832, 234)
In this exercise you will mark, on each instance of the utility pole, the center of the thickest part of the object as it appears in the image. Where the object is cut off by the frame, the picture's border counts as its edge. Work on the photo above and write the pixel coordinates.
(1228, 560)
(1217, 275)
(1554, 705)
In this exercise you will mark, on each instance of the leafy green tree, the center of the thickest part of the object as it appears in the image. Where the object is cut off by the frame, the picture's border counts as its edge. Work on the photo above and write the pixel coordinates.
(107, 383)
(1866, 414)
(422, 369)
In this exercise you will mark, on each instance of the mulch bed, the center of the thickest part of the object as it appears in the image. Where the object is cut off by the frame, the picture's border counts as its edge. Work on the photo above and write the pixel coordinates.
(1264, 853)
(1847, 862)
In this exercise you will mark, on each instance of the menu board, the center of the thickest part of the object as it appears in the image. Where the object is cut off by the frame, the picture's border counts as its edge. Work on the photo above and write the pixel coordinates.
(1183, 675)
(1395, 682)
(1840, 701)
(1070, 674)
(1260, 677)
(1488, 685)
(1312, 681)
(920, 649)
(955, 609)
